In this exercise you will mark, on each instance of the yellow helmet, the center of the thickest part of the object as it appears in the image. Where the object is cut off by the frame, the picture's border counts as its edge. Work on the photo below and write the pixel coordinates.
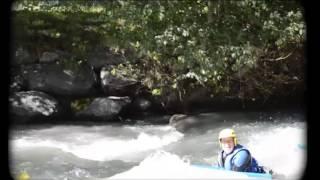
(23, 176)
(225, 133)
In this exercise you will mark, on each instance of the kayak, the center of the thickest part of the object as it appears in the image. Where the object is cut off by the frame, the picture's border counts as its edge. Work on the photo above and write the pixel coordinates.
(249, 175)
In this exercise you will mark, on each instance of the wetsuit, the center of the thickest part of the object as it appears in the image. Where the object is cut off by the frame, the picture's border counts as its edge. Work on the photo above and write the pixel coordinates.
(239, 160)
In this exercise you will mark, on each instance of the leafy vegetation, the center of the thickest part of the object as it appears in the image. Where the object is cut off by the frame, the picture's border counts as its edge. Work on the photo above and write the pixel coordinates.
(246, 49)
(80, 104)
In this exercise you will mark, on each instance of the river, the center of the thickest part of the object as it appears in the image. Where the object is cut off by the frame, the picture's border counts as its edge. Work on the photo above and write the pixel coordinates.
(276, 140)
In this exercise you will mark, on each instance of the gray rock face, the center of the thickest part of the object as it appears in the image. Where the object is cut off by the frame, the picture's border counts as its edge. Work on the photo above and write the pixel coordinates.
(55, 79)
(116, 86)
(100, 57)
(179, 122)
(141, 104)
(48, 57)
(16, 83)
(22, 56)
(29, 104)
(187, 123)
(162, 119)
(205, 121)
(106, 108)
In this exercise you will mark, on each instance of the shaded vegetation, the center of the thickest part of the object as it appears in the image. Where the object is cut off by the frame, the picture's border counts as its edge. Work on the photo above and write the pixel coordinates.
(80, 104)
(250, 49)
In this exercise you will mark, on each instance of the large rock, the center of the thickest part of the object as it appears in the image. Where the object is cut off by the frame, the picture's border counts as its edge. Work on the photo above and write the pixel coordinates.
(188, 123)
(104, 108)
(48, 57)
(22, 56)
(102, 56)
(54, 56)
(154, 120)
(17, 82)
(181, 122)
(55, 79)
(141, 104)
(172, 102)
(30, 105)
(118, 86)
(202, 122)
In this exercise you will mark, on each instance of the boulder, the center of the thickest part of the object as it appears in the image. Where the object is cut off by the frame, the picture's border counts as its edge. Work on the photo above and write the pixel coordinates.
(102, 56)
(114, 85)
(202, 122)
(22, 56)
(154, 120)
(141, 104)
(140, 107)
(180, 122)
(48, 57)
(198, 122)
(56, 79)
(32, 105)
(104, 108)
(17, 82)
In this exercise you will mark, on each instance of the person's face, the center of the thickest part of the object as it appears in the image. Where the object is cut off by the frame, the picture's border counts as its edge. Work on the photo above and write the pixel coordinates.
(227, 144)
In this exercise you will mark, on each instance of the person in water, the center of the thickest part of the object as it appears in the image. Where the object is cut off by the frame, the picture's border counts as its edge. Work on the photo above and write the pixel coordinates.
(234, 156)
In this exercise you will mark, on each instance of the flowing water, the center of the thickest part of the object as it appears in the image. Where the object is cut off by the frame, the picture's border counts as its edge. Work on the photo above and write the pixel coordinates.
(154, 151)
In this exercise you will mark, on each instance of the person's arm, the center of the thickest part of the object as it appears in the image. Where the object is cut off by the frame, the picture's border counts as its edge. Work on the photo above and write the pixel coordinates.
(241, 160)
(219, 159)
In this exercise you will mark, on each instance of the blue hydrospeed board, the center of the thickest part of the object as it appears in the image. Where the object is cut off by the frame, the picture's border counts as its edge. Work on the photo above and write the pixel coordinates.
(249, 175)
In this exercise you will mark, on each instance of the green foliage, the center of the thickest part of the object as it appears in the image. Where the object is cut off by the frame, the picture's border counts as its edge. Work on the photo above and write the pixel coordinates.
(80, 104)
(156, 92)
(71, 64)
(177, 45)
(126, 70)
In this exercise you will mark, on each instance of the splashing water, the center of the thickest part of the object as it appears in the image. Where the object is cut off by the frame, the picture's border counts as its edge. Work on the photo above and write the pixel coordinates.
(96, 146)
(163, 165)
(152, 151)
(282, 149)
(278, 148)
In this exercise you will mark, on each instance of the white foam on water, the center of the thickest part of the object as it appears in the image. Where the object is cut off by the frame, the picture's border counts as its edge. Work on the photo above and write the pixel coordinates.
(164, 165)
(97, 147)
(279, 146)
(283, 149)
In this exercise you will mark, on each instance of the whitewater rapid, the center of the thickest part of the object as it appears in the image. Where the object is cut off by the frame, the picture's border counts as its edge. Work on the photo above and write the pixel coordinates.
(151, 151)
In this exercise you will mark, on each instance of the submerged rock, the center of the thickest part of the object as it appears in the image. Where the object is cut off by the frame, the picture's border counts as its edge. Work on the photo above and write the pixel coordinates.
(182, 122)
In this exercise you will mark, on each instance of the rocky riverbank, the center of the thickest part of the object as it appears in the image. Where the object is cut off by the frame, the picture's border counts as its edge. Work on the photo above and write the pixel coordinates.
(54, 88)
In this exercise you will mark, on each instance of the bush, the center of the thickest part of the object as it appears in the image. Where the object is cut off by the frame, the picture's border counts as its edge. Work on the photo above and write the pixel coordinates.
(177, 45)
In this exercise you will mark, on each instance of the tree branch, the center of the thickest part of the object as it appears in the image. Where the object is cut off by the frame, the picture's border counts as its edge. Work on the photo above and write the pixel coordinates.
(279, 58)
